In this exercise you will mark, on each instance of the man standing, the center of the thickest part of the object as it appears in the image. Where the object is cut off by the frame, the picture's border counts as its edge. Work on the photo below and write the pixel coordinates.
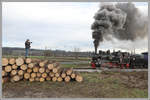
(27, 46)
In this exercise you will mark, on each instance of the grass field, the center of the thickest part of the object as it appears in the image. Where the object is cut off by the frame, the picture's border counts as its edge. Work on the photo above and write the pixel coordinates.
(95, 85)
(70, 60)
(62, 59)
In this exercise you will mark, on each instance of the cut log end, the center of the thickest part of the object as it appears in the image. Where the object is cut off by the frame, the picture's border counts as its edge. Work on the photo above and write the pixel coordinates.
(4, 61)
(28, 60)
(12, 61)
(79, 78)
(8, 68)
(19, 61)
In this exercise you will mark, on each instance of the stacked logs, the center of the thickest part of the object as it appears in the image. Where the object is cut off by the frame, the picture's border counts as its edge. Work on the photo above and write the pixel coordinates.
(25, 69)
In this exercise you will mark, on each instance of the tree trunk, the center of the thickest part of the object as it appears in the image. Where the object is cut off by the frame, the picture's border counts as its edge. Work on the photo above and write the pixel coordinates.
(51, 74)
(59, 79)
(44, 75)
(31, 65)
(23, 67)
(33, 75)
(16, 78)
(13, 72)
(8, 68)
(41, 70)
(4, 61)
(48, 78)
(79, 78)
(12, 61)
(19, 61)
(28, 60)
(42, 79)
(54, 79)
(29, 70)
(35, 69)
(4, 73)
(67, 79)
(31, 79)
(50, 66)
(69, 71)
(14, 66)
(20, 72)
(38, 74)
(26, 75)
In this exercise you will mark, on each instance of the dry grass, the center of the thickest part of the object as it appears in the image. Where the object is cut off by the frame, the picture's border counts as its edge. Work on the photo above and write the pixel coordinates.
(95, 85)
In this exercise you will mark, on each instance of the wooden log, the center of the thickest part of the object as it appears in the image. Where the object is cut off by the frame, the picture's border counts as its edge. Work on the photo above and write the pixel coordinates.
(4, 61)
(29, 70)
(59, 79)
(41, 70)
(33, 75)
(54, 79)
(44, 75)
(13, 72)
(26, 76)
(5, 79)
(4, 73)
(51, 74)
(28, 60)
(63, 75)
(31, 65)
(12, 61)
(55, 69)
(42, 79)
(2, 81)
(48, 78)
(16, 78)
(69, 71)
(20, 72)
(35, 69)
(67, 79)
(31, 79)
(56, 64)
(23, 67)
(57, 74)
(73, 75)
(79, 78)
(14, 66)
(37, 79)
(50, 66)
(38, 74)
(8, 68)
(47, 70)
(19, 61)
(43, 63)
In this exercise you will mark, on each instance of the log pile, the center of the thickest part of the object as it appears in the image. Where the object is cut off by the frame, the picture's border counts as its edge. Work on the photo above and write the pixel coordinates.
(25, 69)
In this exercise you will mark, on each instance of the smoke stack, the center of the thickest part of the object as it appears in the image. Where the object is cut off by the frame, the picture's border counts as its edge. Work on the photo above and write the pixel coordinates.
(96, 46)
(95, 50)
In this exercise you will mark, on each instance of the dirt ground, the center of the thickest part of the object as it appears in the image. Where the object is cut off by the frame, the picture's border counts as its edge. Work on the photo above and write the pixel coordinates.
(95, 85)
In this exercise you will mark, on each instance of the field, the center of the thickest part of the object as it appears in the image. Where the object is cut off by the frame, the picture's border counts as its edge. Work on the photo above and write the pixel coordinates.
(95, 85)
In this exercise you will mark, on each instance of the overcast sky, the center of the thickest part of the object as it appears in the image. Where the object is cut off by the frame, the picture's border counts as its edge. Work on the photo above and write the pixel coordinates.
(57, 25)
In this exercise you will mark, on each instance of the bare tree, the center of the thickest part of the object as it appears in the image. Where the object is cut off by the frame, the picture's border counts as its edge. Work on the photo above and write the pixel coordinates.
(47, 52)
(76, 52)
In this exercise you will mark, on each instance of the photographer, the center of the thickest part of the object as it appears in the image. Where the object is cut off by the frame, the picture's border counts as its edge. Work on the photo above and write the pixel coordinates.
(27, 46)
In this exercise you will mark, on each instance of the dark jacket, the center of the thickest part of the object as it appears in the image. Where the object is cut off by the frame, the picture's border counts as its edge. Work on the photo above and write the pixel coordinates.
(27, 45)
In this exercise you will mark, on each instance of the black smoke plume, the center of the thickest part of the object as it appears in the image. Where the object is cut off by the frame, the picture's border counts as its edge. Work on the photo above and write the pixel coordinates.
(122, 21)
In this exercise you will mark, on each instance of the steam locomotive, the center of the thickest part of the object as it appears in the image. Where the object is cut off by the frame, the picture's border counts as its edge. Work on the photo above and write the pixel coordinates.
(119, 60)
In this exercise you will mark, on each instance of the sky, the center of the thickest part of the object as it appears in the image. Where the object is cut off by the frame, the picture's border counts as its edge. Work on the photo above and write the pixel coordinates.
(58, 25)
